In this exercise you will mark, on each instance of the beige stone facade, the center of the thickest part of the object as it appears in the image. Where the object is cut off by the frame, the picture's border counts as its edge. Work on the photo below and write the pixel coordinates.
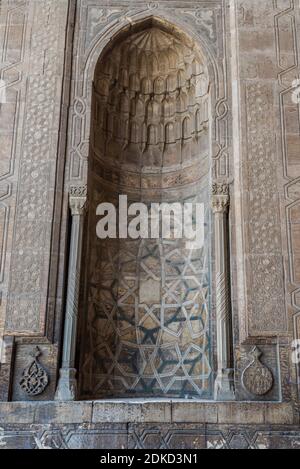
(162, 101)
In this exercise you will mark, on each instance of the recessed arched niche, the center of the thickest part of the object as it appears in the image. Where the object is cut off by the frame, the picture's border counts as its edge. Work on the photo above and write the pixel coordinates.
(145, 306)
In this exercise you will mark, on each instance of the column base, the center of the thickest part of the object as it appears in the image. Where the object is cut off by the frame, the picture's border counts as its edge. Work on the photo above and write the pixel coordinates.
(224, 386)
(67, 385)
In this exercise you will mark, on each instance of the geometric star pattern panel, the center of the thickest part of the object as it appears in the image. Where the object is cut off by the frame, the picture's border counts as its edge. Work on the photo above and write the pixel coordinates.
(148, 328)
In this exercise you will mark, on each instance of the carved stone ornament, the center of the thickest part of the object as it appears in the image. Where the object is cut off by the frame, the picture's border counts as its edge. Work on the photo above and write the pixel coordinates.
(155, 113)
(220, 188)
(34, 379)
(220, 197)
(257, 378)
(78, 191)
(78, 199)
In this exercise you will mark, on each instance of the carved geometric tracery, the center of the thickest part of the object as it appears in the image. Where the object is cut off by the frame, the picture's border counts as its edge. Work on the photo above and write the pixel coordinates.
(34, 378)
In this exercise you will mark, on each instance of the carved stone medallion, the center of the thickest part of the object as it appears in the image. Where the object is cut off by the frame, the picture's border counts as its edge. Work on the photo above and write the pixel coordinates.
(34, 379)
(257, 378)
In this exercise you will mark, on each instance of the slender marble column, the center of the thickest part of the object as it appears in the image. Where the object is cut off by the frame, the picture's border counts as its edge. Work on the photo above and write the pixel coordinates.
(67, 384)
(224, 384)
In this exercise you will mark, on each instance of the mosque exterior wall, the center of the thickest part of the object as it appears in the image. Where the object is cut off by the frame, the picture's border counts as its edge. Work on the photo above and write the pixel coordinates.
(49, 55)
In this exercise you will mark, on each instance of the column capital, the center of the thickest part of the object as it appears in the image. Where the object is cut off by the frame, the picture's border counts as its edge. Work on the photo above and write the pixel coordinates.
(220, 197)
(78, 199)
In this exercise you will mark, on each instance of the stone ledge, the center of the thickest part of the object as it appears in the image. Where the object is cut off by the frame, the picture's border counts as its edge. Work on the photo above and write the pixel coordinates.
(132, 412)
(45, 412)
(148, 411)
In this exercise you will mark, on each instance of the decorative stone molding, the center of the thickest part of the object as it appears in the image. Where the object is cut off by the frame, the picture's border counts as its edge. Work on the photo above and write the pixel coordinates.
(67, 384)
(78, 199)
(34, 379)
(78, 191)
(257, 378)
(34, 188)
(220, 188)
(220, 198)
(220, 204)
(224, 387)
(7, 351)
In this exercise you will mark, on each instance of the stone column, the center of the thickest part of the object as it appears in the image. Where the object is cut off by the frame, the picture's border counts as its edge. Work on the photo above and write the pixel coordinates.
(67, 384)
(224, 384)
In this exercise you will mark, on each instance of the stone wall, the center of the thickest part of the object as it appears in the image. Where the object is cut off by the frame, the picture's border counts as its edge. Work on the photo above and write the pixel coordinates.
(35, 66)
(49, 50)
(148, 425)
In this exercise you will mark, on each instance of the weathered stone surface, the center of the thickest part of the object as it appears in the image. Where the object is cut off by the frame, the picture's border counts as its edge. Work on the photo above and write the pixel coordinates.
(189, 436)
(132, 411)
(194, 412)
(166, 437)
(64, 413)
(143, 411)
(246, 136)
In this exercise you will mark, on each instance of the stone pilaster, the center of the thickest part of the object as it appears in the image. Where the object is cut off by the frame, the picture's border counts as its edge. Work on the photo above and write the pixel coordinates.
(224, 384)
(67, 384)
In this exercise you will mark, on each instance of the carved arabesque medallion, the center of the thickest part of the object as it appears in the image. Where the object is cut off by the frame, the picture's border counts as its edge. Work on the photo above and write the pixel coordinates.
(34, 379)
(257, 378)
